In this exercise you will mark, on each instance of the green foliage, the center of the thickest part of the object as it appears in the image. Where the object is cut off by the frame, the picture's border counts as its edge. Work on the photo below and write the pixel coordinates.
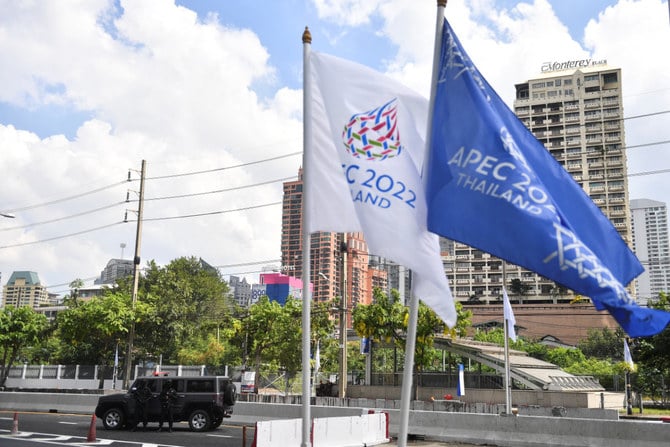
(565, 357)
(90, 331)
(603, 344)
(19, 329)
(386, 319)
(189, 300)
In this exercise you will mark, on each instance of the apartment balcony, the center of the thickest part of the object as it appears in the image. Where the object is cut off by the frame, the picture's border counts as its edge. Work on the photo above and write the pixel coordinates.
(592, 116)
(612, 139)
(592, 104)
(571, 119)
(573, 142)
(597, 189)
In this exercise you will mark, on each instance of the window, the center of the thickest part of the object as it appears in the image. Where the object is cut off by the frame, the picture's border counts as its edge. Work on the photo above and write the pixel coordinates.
(199, 386)
(557, 83)
(610, 77)
(538, 85)
(590, 78)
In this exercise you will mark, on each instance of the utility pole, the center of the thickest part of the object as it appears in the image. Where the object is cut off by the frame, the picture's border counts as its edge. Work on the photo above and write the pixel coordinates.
(342, 392)
(136, 277)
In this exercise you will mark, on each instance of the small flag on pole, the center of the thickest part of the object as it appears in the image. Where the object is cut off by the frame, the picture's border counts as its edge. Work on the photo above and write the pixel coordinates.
(460, 391)
(509, 316)
(626, 355)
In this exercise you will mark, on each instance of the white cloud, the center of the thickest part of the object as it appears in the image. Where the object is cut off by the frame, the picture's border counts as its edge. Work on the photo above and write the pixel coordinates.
(180, 91)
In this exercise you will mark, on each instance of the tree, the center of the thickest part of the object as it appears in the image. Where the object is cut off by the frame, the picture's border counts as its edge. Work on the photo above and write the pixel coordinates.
(19, 329)
(190, 300)
(518, 288)
(90, 332)
(386, 320)
(604, 344)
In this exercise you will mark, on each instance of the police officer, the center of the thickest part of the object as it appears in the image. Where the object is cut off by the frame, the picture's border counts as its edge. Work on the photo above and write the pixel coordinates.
(142, 396)
(167, 397)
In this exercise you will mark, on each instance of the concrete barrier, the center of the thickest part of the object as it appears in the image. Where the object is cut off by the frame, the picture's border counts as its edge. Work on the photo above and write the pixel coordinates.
(278, 433)
(517, 431)
(354, 431)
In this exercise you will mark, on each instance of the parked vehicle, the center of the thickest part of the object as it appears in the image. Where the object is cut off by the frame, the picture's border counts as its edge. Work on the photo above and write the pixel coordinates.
(203, 401)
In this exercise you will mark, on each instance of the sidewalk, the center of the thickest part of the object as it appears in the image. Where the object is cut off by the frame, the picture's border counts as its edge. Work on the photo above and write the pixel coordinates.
(412, 443)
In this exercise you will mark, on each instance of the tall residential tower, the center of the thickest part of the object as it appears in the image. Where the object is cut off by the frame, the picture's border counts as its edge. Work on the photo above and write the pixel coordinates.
(650, 241)
(575, 109)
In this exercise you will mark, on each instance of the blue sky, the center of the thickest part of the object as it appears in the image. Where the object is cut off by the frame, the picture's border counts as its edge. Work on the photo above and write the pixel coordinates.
(96, 86)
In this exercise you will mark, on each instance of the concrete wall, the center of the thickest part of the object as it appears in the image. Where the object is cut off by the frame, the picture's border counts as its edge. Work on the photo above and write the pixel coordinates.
(567, 399)
(499, 430)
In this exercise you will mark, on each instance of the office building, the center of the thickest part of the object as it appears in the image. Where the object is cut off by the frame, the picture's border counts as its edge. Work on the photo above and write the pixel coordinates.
(25, 289)
(240, 289)
(649, 220)
(577, 114)
(115, 269)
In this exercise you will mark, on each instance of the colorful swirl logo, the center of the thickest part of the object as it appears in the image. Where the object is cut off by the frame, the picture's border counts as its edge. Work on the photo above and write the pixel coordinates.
(373, 135)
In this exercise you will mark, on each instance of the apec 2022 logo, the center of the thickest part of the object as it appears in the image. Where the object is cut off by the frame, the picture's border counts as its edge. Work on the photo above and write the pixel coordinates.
(373, 136)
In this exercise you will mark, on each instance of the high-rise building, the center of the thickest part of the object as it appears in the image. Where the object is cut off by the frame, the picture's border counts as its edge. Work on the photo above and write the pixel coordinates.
(577, 114)
(649, 220)
(241, 290)
(328, 254)
(115, 269)
(25, 289)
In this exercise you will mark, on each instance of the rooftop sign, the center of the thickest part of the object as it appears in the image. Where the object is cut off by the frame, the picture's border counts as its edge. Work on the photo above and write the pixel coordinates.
(567, 65)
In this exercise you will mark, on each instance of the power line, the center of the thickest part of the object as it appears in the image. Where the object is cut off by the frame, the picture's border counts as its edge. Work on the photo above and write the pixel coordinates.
(93, 191)
(211, 213)
(90, 230)
(234, 188)
(645, 115)
(225, 168)
(83, 213)
(65, 199)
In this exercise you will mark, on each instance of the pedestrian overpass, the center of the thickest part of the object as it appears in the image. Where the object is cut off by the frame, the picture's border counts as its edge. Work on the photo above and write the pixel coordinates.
(533, 373)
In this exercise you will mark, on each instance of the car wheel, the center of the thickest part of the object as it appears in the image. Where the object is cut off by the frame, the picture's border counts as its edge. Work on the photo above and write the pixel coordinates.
(199, 420)
(113, 419)
(217, 422)
(230, 394)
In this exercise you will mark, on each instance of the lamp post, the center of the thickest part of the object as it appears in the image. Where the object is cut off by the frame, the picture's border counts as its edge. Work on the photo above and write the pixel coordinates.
(342, 391)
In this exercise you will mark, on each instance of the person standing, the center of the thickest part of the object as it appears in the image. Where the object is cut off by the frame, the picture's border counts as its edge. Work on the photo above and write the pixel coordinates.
(167, 397)
(142, 396)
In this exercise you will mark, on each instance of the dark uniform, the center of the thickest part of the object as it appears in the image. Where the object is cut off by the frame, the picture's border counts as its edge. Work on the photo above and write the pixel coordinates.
(167, 397)
(142, 397)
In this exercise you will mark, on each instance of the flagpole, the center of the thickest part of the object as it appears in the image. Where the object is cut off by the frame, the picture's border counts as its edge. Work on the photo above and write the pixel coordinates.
(410, 342)
(508, 389)
(306, 292)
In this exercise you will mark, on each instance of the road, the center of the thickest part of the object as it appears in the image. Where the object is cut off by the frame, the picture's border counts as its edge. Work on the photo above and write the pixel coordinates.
(49, 429)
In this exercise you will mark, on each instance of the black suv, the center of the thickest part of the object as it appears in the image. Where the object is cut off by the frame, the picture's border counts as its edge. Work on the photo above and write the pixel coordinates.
(203, 401)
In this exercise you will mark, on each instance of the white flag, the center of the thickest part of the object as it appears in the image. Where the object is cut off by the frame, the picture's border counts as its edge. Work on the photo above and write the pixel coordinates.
(362, 170)
(509, 316)
(626, 354)
(317, 359)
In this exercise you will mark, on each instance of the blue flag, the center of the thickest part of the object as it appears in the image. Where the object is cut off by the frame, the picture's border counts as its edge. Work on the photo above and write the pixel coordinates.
(492, 185)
